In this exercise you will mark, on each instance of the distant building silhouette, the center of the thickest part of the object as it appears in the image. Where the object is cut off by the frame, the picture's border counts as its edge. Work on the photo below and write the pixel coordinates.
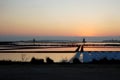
(84, 40)
(34, 41)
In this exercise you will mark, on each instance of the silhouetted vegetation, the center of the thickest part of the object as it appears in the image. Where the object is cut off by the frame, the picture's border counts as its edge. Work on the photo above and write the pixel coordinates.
(64, 61)
(105, 61)
(9, 62)
(49, 60)
(5, 62)
(37, 61)
(76, 61)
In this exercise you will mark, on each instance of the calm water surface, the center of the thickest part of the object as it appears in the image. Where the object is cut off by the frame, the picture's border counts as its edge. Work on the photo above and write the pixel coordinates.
(55, 56)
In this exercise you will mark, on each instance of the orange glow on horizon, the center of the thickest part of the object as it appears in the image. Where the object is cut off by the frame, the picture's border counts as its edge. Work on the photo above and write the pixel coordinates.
(73, 28)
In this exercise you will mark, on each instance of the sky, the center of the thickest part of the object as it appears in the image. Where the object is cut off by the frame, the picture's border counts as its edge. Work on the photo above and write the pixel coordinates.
(60, 17)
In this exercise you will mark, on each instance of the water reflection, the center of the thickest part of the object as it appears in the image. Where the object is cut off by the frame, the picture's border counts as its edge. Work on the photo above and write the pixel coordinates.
(86, 56)
(18, 57)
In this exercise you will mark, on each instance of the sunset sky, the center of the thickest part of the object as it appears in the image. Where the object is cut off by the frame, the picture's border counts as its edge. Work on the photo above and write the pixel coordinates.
(60, 17)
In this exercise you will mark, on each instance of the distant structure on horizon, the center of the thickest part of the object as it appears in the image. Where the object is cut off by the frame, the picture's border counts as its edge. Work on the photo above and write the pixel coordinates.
(112, 40)
(84, 41)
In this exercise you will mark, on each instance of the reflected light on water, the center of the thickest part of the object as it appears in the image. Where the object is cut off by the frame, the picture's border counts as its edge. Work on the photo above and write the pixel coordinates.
(55, 56)
(18, 57)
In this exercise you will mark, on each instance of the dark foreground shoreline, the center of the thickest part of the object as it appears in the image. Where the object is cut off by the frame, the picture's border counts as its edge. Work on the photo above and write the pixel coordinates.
(60, 72)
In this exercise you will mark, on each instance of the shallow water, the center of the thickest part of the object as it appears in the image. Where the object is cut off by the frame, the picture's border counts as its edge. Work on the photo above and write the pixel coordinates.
(56, 56)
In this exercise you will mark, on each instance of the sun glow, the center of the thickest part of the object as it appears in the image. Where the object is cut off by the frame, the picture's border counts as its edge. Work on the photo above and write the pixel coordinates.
(56, 18)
